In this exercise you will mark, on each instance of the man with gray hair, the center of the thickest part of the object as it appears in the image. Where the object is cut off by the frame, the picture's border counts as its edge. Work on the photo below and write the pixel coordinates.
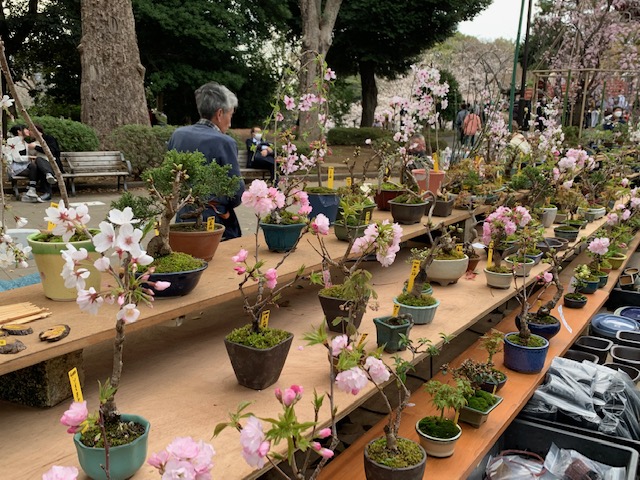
(216, 105)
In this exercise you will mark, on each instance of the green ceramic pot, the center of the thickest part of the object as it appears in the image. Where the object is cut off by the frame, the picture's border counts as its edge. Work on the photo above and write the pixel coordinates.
(281, 238)
(124, 460)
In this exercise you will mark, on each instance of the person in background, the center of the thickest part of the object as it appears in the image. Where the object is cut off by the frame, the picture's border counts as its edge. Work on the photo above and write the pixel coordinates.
(216, 105)
(23, 161)
(460, 121)
(471, 126)
(614, 120)
(260, 153)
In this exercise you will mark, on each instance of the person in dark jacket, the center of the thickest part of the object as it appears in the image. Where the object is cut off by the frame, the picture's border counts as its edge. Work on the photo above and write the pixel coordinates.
(260, 153)
(216, 105)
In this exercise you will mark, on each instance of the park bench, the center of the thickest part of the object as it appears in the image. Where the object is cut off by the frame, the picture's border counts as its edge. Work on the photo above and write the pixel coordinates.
(250, 173)
(87, 164)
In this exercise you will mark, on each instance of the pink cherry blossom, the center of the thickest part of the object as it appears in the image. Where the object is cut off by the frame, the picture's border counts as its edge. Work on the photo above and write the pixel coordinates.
(74, 417)
(320, 224)
(254, 446)
(547, 277)
(624, 182)
(106, 239)
(323, 452)
(339, 343)
(599, 246)
(271, 277)
(324, 433)
(329, 75)
(626, 214)
(60, 473)
(89, 300)
(128, 313)
(240, 269)
(289, 103)
(351, 381)
(183, 447)
(241, 256)
(161, 285)
(378, 371)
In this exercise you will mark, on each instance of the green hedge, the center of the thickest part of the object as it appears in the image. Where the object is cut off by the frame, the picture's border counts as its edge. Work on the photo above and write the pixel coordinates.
(142, 145)
(71, 136)
(356, 136)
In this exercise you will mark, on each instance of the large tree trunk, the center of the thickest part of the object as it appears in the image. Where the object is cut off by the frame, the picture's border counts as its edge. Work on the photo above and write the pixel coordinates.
(112, 91)
(317, 30)
(369, 93)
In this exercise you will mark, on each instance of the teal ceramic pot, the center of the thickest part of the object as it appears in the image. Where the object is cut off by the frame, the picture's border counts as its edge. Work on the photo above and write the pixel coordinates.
(420, 315)
(124, 460)
(388, 335)
(281, 238)
(603, 278)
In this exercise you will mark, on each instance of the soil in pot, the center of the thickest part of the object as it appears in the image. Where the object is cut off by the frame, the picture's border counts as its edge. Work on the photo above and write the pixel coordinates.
(180, 269)
(381, 464)
(438, 436)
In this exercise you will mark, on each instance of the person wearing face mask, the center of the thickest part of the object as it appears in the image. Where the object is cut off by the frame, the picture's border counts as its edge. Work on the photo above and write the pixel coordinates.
(615, 119)
(260, 152)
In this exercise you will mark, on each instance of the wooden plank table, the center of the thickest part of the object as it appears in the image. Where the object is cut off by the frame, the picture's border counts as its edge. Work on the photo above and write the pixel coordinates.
(475, 443)
(181, 379)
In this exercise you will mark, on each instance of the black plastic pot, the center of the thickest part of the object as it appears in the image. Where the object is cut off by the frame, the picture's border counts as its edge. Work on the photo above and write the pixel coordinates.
(407, 213)
(375, 471)
(596, 345)
(628, 338)
(182, 283)
(580, 356)
(633, 372)
(255, 368)
(443, 208)
(626, 355)
(331, 308)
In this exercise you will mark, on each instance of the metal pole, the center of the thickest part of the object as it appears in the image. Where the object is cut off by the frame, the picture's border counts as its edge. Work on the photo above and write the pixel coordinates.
(512, 96)
(584, 101)
(566, 99)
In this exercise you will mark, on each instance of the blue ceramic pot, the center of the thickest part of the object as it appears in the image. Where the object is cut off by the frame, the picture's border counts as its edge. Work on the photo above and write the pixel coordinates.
(589, 288)
(603, 279)
(325, 203)
(124, 460)
(524, 359)
(546, 330)
(281, 238)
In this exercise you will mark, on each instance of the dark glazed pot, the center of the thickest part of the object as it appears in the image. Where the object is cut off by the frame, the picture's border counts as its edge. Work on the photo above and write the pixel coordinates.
(382, 198)
(182, 283)
(331, 308)
(375, 471)
(255, 368)
(407, 213)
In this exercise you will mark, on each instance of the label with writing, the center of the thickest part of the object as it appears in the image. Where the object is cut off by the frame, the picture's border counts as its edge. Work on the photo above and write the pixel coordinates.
(264, 319)
(367, 216)
(156, 232)
(211, 224)
(396, 309)
(3, 342)
(348, 181)
(436, 162)
(415, 268)
(51, 225)
(362, 339)
(74, 380)
(459, 248)
(330, 174)
(490, 255)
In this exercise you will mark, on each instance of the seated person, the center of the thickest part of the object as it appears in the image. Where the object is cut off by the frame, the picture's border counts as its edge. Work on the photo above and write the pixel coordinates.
(34, 166)
(260, 153)
(614, 120)
(417, 150)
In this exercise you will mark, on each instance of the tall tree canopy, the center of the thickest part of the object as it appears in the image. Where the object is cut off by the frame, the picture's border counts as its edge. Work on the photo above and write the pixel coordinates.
(378, 37)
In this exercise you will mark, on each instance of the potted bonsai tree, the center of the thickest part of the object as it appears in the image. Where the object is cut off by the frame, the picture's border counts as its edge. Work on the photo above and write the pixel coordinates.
(184, 184)
(450, 262)
(438, 435)
(479, 402)
(492, 342)
(109, 445)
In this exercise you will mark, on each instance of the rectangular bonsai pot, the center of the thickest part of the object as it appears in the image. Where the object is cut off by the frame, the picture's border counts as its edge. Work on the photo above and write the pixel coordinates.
(474, 417)
(622, 298)
(596, 345)
(537, 436)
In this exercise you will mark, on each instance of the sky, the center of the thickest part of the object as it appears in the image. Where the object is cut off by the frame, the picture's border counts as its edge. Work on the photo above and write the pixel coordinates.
(499, 20)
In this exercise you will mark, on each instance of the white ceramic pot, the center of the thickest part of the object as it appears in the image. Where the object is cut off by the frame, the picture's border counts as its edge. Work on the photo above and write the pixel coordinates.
(444, 272)
(498, 280)
(438, 447)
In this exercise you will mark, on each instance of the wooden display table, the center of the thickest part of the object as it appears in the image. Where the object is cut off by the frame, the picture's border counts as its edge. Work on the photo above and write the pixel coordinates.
(181, 379)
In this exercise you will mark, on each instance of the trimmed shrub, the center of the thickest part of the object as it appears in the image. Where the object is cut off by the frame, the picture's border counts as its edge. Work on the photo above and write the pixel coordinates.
(142, 145)
(71, 136)
(571, 135)
(356, 136)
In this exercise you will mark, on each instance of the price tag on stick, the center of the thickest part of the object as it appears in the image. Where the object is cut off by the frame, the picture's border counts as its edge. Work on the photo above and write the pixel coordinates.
(436, 162)
(490, 255)
(396, 309)
(211, 224)
(264, 319)
(330, 174)
(74, 380)
(50, 225)
(348, 181)
(415, 269)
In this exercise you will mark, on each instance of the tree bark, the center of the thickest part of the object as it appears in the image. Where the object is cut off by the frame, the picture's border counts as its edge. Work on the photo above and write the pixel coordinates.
(317, 32)
(369, 93)
(112, 89)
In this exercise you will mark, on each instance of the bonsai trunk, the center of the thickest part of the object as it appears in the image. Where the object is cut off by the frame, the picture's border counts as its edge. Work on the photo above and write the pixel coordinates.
(109, 409)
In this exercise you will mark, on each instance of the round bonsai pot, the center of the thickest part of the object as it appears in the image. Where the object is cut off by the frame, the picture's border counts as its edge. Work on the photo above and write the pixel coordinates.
(420, 315)
(548, 216)
(616, 260)
(182, 283)
(521, 269)
(183, 237)
(444, 272)
(546, 330)
(435, 446)
(574, 303)
(524, 359)
(498, 280)
(567, 232)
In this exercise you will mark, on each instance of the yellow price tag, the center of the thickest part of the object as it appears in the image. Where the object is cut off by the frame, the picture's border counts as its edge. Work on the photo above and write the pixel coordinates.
(459, 248)
(436, 162)
(367, 216)
(348, 181)
(211, 224)
(396, 309)
(457, 416)
(51, 225)
(3, 342)
(264, 319)
(155, 230)
(362, 339)
(330, 174)
(490, 255)
(74, 379)
(415, 269)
